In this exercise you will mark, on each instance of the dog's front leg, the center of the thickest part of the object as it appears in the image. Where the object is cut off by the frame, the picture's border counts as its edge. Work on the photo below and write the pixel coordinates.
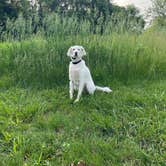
(80, 89)
(71, 89)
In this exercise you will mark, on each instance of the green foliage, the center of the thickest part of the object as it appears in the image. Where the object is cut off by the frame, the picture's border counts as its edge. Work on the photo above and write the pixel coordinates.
(98, 13)
(42, 127)
(126, 19)
(55, 25)
(38, 123)
(43, 62)
(159, 8)
(96, 16)
(158, 11)
(7, 10)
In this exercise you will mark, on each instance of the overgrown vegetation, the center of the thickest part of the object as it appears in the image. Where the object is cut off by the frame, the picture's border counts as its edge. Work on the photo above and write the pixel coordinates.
(39, 125)
(54, 18)
(115, 57)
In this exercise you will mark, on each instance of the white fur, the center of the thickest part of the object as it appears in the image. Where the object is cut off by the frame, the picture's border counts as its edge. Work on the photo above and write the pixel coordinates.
(79, 74)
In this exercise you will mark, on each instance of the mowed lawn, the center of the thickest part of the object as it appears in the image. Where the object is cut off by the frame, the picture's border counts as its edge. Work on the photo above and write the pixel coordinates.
(43, 127)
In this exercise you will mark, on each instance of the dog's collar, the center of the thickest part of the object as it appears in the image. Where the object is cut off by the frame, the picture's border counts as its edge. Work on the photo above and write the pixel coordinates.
(76, 62)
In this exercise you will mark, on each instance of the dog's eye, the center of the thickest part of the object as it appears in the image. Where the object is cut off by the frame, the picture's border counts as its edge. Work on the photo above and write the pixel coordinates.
(73, 49)
(78, 49)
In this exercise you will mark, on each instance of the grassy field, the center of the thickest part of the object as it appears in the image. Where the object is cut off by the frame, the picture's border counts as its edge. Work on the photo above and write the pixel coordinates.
(43, 127)
(39, 125)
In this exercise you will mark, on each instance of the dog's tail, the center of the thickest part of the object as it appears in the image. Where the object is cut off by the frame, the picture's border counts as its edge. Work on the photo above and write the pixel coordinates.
(103, 89)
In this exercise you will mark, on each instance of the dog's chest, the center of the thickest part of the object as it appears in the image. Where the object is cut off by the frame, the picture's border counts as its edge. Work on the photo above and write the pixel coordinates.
(74, 73)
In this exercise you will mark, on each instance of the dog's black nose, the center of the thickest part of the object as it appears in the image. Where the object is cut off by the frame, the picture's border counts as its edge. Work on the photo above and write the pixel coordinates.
(76, 53)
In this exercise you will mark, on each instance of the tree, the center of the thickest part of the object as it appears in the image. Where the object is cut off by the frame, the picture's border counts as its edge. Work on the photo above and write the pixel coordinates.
(127, 19)
(158, 11)
(95, 11)
(98, 13)
(159, 8)
(7, 10)
(134, 19)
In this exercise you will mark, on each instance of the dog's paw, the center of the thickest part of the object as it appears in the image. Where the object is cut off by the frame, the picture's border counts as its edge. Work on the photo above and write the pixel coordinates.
(77, 100)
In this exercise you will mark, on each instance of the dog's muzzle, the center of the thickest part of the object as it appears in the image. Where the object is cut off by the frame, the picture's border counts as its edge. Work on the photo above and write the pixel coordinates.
(74, 58)
(75, 55)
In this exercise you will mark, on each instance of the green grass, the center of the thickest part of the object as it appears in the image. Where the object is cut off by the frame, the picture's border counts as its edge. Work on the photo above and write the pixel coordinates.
(125, 57)
(39, 125)
(43, 127)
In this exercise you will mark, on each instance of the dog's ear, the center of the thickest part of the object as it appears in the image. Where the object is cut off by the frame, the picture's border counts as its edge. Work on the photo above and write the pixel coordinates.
(69, 52)
(83, 51)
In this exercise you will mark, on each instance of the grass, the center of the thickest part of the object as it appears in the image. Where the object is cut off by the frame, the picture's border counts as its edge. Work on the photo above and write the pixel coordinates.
(39, 125)
(125, 57)
(43, 127)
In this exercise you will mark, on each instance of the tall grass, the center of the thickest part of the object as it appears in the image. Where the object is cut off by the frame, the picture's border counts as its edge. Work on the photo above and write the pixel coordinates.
(52, 25)
(56, 25)
(42, 61)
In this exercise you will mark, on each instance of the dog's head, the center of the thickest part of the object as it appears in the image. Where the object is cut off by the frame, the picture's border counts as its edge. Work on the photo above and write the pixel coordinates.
(76, 53)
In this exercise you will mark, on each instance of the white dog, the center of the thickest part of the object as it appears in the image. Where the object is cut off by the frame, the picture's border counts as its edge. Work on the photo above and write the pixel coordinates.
(79, 74)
